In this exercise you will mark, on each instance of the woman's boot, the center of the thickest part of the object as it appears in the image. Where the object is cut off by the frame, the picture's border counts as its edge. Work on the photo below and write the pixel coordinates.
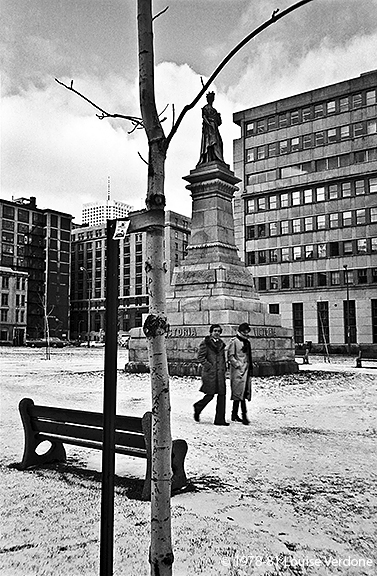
(245, 419)
(235, 417)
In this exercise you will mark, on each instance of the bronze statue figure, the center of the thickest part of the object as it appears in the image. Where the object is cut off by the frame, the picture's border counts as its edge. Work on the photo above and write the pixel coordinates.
(212, 145)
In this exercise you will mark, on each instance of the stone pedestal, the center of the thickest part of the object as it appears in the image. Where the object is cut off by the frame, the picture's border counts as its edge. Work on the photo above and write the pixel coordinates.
(212, 285)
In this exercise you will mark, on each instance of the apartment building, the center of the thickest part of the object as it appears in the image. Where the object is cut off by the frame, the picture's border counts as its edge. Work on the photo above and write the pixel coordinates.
(36, 242)
(95, 213)
(306, 210)
(13, 298)
(88, 287)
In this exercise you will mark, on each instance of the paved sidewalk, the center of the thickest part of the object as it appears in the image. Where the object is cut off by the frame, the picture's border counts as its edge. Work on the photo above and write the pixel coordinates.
(338, 364)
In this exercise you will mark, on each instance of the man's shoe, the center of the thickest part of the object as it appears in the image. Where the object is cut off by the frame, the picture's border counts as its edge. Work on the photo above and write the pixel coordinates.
(245, 420)
(221, 423)
(196, 415)
(236, 418)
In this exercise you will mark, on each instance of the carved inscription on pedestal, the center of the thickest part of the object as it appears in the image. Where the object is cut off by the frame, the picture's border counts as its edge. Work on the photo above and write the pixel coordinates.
(196, 277)
(264, 332)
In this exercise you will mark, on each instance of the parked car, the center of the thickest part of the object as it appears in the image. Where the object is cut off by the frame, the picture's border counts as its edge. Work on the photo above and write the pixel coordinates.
(41, 342)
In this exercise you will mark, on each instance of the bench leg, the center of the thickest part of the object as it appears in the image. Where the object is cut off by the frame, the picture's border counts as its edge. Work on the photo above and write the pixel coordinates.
(178, 455)
(30, 458)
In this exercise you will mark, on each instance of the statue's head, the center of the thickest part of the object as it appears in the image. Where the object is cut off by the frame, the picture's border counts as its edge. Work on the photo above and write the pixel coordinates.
(210, 97)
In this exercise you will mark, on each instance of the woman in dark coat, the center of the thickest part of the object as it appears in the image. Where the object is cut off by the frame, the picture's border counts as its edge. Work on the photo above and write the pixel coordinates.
(211, 356)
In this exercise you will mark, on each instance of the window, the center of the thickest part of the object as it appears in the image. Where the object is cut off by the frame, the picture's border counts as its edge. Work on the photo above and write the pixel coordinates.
(274, 255)
(250, 128)
(344, 132)
(371, 126)
(250, 155)
(261, 152)
(273, 228)
(373, 215)
(334, 220)
(295, 144)
(284, 227)
(372, 185)
(285, 255)
(262, 284)
(283, 120)
(370, 97)
(261, 126)
(331, 135)
(362, 276)
(321, 279)
(322, 252)
(330, 107)
(361, 246)
(4, 316)
(334, 248)
(374, 275)
(283, 147)
(347, 247)
(309, 280)
(309, 251)
(357, 100)
(262, 259)
(359, 187)
(360, 156)
(271, 123)
(306, 141)
(261, 204)
(261, 230)
(273, 308)
(250, 232)
(346, 189)
(319, 139)
(274, 283)
(285, 283)
(298, 322)
(319, 111)
(297, 281)
(250, 258)
(4, 299)
(347, 218)
(296, 198)
(272, 149)
(273, 202)
(321, 222)
(320, 194)
(296, 253)
(374, 320)
(323, 322)
(296, 224)
(358, 129)
(5, 282)
(306, 114)
(361, 216)
(308, 196)
(250, 205)
(344, 104)
(308, 224)
(284, 201)
(335, 278)
(333, 191)
(295, 117)
(373, 244)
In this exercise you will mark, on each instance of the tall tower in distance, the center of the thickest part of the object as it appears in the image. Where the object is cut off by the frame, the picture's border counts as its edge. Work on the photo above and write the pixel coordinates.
(97, 213)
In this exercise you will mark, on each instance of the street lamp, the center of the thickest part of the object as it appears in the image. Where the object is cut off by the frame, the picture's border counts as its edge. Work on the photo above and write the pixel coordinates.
(348, 334)
(89, 286)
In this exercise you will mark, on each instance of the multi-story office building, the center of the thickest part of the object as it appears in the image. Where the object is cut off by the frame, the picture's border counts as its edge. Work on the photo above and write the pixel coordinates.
(88, 287)
(36, 242)
(306, 210)
(13, 296)
(96, 213)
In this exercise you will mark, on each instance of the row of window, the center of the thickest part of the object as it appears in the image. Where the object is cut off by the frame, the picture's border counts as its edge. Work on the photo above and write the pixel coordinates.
(321, 138)
(310, 195)
(336, 278)
(360, 217)
(313, 112)
(22, 215)
(311, 251)
(321, 165)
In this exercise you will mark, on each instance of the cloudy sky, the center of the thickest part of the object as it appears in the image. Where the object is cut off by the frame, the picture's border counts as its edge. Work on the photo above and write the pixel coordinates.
(53, 146)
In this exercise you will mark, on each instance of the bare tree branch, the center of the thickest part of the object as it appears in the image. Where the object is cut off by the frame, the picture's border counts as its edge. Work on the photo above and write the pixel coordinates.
(276, 15)
(159, 14)
(143, 159)
(137, 122)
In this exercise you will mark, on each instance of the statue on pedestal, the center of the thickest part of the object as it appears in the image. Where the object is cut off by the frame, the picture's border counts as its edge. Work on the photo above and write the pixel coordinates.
(212, 145)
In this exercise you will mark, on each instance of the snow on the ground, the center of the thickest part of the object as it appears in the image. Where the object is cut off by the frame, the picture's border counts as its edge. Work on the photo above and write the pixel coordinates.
(294, 493)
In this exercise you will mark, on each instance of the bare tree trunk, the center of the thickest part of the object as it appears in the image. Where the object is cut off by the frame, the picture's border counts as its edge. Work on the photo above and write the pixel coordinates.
(156, 326)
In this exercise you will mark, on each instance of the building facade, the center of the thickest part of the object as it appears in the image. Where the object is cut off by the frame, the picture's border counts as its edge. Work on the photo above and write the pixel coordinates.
(36, 242)
(306, 210)
(88, 287)
(95, 213)
(13, 296)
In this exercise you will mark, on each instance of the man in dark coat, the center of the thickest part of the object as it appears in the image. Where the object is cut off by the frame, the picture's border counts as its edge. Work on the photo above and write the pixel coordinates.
(211, 356)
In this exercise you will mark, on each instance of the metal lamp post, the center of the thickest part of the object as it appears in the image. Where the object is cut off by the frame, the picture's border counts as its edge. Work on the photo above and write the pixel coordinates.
(89, 284)
(345, 266)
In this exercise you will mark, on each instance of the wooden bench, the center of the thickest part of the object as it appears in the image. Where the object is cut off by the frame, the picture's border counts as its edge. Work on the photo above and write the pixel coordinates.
(62, 426)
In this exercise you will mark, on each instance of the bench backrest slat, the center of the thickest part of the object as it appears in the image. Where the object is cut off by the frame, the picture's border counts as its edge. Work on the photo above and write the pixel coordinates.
(129, 423)
(87, 433)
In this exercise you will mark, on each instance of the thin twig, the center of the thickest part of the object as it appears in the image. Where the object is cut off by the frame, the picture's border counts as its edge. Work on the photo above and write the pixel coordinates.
(159, 14)
(140, 156)
(274, 18)
(137, 122)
